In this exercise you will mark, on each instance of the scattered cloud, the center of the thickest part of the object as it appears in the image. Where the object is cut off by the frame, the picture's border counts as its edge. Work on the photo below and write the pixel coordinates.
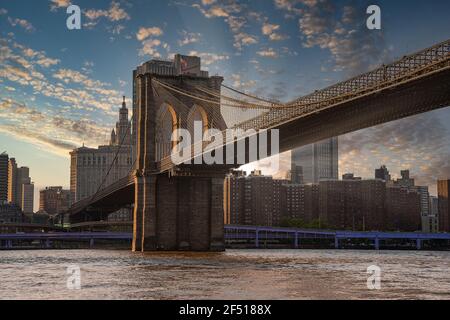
(209, 58)
(21, 23)
(188, 38)
(235, 14)
(239, 83)
(340, 31)
(52, 133)
(144, 33)
(270, 30)
(56, 4)
(267, 53)
(114, 13)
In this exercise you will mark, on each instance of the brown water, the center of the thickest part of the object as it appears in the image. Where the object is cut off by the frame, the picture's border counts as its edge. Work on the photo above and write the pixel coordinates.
(235, 274)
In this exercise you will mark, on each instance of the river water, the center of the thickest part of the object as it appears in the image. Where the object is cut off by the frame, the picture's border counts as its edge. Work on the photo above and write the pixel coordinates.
(235, 274)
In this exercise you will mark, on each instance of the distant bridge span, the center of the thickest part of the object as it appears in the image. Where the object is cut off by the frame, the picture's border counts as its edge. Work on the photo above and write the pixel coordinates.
(412, 85)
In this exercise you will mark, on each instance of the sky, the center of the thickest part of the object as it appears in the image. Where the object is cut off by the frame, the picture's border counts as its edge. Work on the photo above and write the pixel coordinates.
(60, 88)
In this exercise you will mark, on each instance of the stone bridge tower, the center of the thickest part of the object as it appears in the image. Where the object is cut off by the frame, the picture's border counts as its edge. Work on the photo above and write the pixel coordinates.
(176, 207)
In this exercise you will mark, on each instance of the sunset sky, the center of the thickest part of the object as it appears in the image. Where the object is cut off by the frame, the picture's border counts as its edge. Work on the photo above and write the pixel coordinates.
(61, 88)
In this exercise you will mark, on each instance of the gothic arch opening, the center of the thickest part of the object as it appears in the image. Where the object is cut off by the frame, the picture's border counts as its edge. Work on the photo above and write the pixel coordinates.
(166, 124)
(197, 114)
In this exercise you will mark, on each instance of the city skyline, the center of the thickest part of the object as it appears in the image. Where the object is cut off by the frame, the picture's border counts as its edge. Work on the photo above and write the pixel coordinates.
(53, 101)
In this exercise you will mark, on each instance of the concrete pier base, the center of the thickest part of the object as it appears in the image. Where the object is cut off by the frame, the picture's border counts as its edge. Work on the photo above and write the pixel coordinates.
(179, 213)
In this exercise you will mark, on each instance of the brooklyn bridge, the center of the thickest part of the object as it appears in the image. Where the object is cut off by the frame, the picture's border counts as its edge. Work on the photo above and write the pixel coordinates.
(179, 206)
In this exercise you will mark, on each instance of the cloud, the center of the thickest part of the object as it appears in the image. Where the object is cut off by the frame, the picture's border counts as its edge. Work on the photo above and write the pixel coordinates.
(21, 65)
(267, 53)
(188, 38)
(340, 30)
(144, 33)
(114, 13)
(239, 83)
(235, 14)
(150, 47)
(52, 133)
(117, 29)
(150, 44)
(209, 58)
(47, 62)
(56, 4)
(269, 30)
(21, 23)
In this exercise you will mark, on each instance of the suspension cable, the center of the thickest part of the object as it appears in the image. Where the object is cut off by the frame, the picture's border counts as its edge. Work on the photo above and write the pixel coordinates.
(251, 96)
(218, 103)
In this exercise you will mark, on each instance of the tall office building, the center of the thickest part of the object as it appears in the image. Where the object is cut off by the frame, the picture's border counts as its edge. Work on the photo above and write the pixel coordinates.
(405, 180)
(27, 198)
(430, 224)
(122, 133)
(89, 166)
(382, 174)
(252, 200)
(408, 183)
(54, 200)
(444, 205)
(318, 161)
(20, 187)
(3, 177)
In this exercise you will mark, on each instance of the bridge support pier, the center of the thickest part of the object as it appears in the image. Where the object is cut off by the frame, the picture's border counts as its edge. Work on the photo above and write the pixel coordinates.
(377, 244)
(179, 213)
(336, 243)
(257, 238)
(419, 244)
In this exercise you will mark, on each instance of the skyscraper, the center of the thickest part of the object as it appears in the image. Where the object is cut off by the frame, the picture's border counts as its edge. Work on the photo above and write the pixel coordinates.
(3, 177)
(444, 205)
(27, 198)
(89, 166)
(382, 174)
(122, 133)
(94, 168)
(54, 200)
(20, 187)
(318, 161)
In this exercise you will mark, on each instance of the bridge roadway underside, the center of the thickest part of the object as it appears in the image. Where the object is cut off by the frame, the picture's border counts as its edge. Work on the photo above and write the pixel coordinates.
(99, 209)
(418, 96)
